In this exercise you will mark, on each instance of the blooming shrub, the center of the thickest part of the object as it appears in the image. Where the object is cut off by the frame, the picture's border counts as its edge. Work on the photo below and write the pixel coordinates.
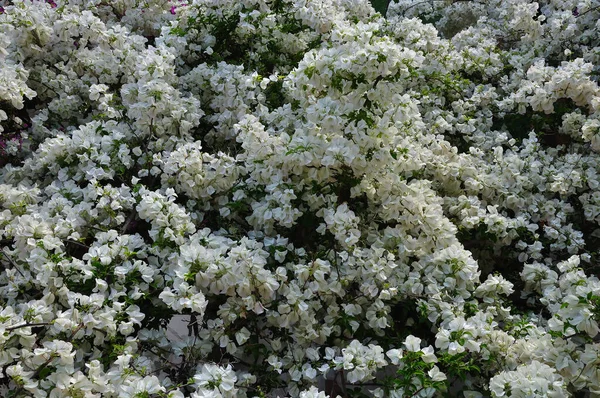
(335, 202)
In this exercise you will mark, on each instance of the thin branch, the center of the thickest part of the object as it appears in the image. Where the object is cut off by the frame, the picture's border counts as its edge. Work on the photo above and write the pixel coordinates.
(10, 260)
(588, 10)
(27, 325)
(97, 228)
(81, 326)
(77, 243)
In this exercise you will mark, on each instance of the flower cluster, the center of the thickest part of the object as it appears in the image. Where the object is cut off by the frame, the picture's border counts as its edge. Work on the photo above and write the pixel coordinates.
(234, 198)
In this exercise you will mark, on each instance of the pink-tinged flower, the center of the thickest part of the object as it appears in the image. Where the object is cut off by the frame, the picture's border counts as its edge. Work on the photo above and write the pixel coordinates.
(174, 8)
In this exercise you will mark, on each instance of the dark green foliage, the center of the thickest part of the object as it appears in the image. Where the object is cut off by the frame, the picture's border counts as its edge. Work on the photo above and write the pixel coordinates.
(380, 6)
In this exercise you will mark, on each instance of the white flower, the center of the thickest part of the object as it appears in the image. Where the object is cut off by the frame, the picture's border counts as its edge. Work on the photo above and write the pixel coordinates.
(149, 385)
(395, 355)
(313, 392)
(96, 90)
(533, 380)
(412, 343)
(242, 336)
(436, 375)
(428, 355)
(214, 377)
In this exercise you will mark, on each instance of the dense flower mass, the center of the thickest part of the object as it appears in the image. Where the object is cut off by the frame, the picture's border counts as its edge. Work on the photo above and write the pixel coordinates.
(330, 201)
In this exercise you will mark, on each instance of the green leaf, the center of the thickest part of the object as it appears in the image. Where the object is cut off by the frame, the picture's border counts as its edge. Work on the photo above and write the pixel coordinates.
(46, 371)
(380, 6)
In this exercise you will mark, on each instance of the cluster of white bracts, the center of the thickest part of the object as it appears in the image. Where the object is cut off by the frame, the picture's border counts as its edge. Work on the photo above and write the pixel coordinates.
(321, 192)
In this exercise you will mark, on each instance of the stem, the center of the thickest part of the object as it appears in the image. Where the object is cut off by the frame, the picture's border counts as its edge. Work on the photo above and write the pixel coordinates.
(418, 391)
(77, 243)
(10, 260)
(588, 10)
(27, 325)
(81, 326)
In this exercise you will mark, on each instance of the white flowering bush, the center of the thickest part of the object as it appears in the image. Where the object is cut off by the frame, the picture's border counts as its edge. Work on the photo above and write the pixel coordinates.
(328, 201)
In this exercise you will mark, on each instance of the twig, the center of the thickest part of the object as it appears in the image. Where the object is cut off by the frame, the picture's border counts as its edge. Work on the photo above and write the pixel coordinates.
(77, 243)
(97, 228)
(10, 260)
(586, 11)
(81, 326)
(27, 325)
